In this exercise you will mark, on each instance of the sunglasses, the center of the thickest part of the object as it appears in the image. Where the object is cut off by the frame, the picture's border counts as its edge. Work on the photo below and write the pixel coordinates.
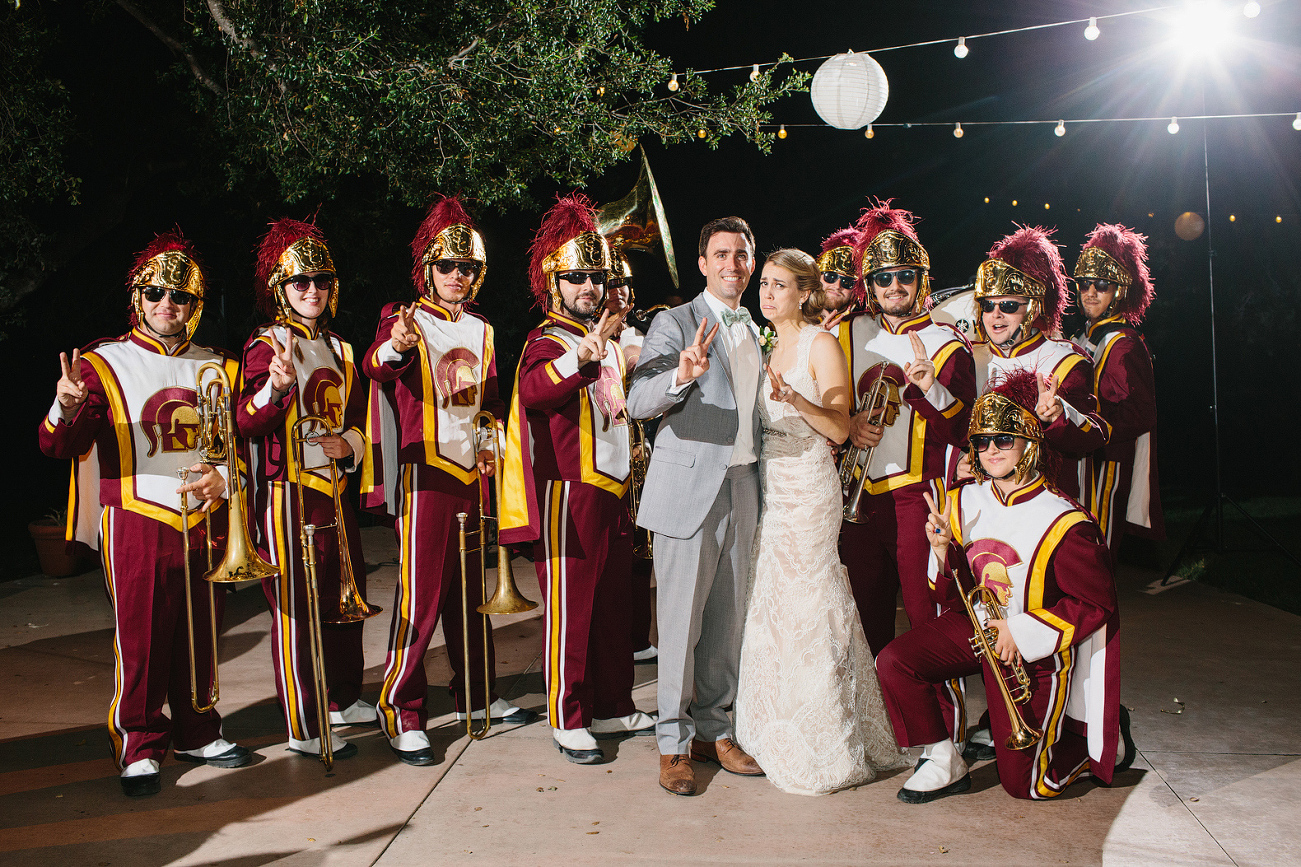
(154, 294)
(987, 306)
(467, 269)
(980, 442)
(831, 278)
(578, 278)
(882, 279)
(1102, 287)
(324, 282)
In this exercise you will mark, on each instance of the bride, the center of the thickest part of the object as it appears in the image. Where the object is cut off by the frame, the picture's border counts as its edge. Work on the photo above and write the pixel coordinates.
(808, 707)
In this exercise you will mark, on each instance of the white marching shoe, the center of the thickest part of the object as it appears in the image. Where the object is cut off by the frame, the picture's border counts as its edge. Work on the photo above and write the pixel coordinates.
(412, 748)
(635, 723)
(650, 654)
(940, 772)
(339, 748)
(221, 753)
(358, 713)
(502, 711)
(141, 778)
(578, 746)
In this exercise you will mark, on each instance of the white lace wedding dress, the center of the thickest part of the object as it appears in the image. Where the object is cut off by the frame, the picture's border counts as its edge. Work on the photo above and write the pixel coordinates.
(808, 706)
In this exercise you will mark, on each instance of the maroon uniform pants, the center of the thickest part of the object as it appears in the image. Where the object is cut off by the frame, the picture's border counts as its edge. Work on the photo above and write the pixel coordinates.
(429, 587)
(941, 650)
(887, 555)
(583, 560)
(287, 594)
(144, 575)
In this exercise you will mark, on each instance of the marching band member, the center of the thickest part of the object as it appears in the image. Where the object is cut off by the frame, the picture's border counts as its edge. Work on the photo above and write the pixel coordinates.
(929, 386)
(1020, 298)
(295, 367)
(566, 484)
(840, 284)
(433, 368)
(1043, 558)
(125, 411)
(1115, 290)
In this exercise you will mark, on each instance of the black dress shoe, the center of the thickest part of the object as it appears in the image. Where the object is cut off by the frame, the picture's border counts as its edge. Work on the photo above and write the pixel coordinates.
(1131, 751)
(972, 753)
(520, 716)
(581, 757)
(138, 786)
(235, 757)
(347, 751)
(417, 758)
(911, 796)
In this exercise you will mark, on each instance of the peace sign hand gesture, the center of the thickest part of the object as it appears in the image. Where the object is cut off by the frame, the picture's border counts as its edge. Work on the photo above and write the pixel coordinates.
(70, 391)
(781, 392)
(921, 370)
(939, 527)
(405, 334)
(694, 360)
(1049, 406)
(592, 346)
(281, 368)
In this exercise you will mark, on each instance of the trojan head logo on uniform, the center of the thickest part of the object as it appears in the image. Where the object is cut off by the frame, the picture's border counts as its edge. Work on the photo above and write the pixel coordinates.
(608, 394)
(455, 380)
(990, 559)
(887, 406)
(323, 396)
(171, 420)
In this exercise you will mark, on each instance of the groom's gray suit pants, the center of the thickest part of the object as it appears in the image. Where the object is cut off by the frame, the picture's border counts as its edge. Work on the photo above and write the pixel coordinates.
(700, 593)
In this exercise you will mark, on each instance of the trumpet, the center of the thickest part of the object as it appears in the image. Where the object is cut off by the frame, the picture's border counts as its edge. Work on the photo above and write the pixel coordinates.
(241, 561)
(505, 600)
(855, 462)
(1023, 735)
(351, 608)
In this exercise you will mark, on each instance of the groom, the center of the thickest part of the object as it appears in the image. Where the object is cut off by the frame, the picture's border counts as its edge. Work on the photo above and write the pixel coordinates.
(700, 369)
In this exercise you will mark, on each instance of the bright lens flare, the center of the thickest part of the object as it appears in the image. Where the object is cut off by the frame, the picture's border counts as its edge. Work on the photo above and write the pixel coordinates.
(1202, 27)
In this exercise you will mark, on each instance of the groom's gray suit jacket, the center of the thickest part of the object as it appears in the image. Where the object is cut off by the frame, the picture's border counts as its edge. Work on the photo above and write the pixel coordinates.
(694, 443)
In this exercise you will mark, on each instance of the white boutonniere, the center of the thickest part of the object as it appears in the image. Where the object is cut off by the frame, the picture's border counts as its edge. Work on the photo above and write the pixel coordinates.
(767, 339)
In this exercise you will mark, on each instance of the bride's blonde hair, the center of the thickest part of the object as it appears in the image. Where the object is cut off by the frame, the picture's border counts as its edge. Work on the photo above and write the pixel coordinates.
(807, 279)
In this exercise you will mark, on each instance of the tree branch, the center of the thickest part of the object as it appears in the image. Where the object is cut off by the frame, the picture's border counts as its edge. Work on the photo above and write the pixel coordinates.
(222, 17)
(177, 48)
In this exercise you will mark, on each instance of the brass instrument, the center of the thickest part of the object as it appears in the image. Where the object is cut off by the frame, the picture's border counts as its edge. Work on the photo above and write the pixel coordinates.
(505, 600)
(241, 561)
(637, 221)
(1023, 736)
(855, 462)
(351, 608)
(639, 450)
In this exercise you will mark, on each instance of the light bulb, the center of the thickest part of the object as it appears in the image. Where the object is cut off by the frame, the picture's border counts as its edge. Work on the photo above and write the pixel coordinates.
(1252, 9)
(1014, 203)
(781, 133)
(673, 82)
(1060, 129)
(702, 133)
(1233, 218)
(1174, 126)
(754, 73)
(957, 130)
(960, 50)
(1046, 206)
(986, 200)
(1092, 32)
(1296, 124)
(869, 133)
(1278, 219)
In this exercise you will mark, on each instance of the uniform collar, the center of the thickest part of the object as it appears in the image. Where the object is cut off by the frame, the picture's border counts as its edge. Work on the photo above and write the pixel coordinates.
(438, 311)
(567, 322)
(147, 341)
(301, 330)
(1022, 494)
(1025, 347)
(912, 323)
(1110, 320)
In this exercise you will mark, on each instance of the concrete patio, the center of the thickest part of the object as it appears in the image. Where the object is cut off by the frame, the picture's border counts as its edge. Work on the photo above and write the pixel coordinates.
(1211, 679)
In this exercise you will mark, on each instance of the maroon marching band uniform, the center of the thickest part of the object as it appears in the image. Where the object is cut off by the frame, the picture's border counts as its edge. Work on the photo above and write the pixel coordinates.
(422, 470)
(567, 484)
(327, 386)
(137, 426)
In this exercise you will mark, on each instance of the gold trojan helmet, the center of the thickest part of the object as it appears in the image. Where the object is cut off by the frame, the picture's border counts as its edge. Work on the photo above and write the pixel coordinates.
(621, 273)
(567, 241)
(447, 233)
(170, 262)
(1000, 411)
(838, 260)
(1025, 263)
(888, 240)
(289, 249)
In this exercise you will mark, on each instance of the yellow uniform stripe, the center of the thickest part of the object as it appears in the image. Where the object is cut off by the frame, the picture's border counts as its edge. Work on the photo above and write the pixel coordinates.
(554, 530)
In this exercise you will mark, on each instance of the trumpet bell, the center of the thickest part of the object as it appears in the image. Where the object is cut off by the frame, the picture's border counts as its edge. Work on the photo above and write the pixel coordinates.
(352, 608)
(506, 599)
(1023, 738)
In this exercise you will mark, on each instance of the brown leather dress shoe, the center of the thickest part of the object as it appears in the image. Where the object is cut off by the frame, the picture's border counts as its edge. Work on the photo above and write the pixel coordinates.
(727, 754)
(677, 775)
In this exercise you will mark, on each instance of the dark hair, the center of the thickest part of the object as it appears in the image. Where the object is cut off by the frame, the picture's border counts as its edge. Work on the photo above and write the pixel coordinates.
(807, 279)
(725, 224)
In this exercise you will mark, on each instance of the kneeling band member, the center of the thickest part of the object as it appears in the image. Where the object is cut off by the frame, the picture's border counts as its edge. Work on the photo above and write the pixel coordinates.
(1043, 558)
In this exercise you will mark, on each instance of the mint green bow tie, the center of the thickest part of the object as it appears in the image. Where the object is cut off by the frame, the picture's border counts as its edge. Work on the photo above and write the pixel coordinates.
(730, 318)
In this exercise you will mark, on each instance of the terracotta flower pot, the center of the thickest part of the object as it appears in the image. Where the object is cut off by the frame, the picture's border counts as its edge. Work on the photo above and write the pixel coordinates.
(51, 549)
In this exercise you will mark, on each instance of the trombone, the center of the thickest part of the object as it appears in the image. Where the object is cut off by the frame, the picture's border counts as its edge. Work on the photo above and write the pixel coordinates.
(241, 561)
(855, 462)
(506, 599)
(352, 608)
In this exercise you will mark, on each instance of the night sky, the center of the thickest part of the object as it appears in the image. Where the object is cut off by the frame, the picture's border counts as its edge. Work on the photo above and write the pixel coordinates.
(813, 182)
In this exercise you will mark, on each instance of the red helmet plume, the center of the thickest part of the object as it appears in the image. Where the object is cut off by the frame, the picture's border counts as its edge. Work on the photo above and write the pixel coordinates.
(1128, 249)
(888, 240)
(169, 261)
(446, 233)
(567, 240)
(290, 247)
(1031, 251)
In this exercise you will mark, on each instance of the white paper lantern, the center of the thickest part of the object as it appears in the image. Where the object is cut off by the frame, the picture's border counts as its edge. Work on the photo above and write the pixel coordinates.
(849, 90)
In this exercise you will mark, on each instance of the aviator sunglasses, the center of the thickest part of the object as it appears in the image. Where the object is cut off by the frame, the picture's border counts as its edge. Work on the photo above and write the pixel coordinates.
(578, 278)
(831, 278)
(980, 442)
(467, 269)
(1100, 286)
(324, 282)
(987, 306)
(154, 294)
(905, 277)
